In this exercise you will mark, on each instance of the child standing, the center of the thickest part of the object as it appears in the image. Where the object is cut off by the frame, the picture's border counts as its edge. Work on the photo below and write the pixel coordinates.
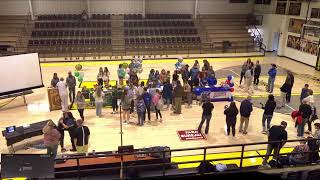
(141, 110)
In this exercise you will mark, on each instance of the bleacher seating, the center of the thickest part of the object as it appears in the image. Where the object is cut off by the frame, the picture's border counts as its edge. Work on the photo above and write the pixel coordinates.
(68, 33)
(160, 31)
(64, 17)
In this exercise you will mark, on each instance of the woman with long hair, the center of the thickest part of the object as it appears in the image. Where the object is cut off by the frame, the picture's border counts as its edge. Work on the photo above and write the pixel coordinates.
(231, 113)
(126, 105)
(81, 104)
(157, 104)
(98, 96)
(106, 75)
(100, 77)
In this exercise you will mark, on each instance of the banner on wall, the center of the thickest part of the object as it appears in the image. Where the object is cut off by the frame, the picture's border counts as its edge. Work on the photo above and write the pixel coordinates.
(295, 25)
(303, 45)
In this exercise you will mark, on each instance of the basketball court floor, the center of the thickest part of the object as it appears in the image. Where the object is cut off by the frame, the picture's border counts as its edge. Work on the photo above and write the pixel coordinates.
(105, 131)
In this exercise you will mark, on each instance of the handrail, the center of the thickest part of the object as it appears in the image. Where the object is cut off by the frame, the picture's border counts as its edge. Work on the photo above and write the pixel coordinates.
(163, 164)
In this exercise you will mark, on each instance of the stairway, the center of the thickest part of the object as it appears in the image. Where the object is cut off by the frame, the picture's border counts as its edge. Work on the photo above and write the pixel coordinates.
(117, 37)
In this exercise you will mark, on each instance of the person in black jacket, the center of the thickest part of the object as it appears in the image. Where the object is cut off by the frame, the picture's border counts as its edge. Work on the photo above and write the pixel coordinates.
(207, 108)
(257, 72)
(276, 133)
(245, 112)
(231, 117)
(288, 97)
(285, 88)
(306, 111)
(67, 122)
(268, 113)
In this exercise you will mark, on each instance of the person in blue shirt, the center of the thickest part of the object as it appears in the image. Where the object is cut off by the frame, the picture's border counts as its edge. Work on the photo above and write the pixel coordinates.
(272, 77)
(147, 101)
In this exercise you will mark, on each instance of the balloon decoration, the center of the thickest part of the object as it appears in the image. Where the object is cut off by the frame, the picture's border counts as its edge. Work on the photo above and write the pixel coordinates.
(232, 89)
(81, 74)
(125, 65)
(231, 84)
(122, 73)
(78, 67)
(76, 74)
(229, 77)
(80, 79)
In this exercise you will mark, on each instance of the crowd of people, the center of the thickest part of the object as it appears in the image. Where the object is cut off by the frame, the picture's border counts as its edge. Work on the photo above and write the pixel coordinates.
(163, 91)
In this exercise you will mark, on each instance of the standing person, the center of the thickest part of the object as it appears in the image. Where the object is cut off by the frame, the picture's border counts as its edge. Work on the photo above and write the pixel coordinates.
(67, 122)
(257, 72)
(284, 91)
(106, 77)
(244, 69)
(168, 77)
(163, 76)
(147, 101)
(54, 80)
(175, 78)
(185, 74)
(63, 93)
(157, 105)
(98, 97)
(167, 93)
(140, 89)
(231, 118)
(115, 95)
(248, 80)
(126, 105)
(316, 135)
(71, 83)
(276, 133)
(304, 92)
(81, 104)
(51, 138)
(178, 94)
(151, 78)
(269, 108)
(82, 135)
(291, 78)
(207, 108)
(188, 93)
(121, 74)
(141, 110)
(100, 77)
(194, 72)
(211, 73)
(272, 77)
(245, 112)
(306, 112)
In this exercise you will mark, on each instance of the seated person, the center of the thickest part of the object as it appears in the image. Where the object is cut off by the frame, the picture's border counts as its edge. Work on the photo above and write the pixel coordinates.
(203, 79)
(84, 15)
(301, 155)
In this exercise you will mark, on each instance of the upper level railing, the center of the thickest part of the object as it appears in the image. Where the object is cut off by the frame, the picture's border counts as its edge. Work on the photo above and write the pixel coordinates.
(205, 152)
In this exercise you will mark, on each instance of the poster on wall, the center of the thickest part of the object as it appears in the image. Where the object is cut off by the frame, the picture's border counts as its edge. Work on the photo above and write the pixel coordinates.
(302, 45)
(281, 8)
(295, 25)
(295, 8)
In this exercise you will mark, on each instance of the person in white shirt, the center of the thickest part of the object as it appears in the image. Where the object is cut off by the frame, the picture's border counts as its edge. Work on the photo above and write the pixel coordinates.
(248, 80)
(309, 99)
(98, 96)
(63, 93)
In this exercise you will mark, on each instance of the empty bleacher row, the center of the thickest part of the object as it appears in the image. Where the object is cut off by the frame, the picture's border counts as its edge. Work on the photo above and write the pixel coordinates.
(157, 16)
(70, 42)
(71, 33)
(160, 32)
(162, 40)
(162, 23)
(64, 17)
(72, 24)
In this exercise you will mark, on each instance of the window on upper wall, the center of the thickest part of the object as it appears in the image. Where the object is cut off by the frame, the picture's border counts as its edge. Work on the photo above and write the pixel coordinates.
(295, 8)
(315, 13)
(238, 1)
(262, 1)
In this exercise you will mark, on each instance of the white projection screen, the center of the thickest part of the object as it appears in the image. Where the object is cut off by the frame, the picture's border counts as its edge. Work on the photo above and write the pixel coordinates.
(19, 73)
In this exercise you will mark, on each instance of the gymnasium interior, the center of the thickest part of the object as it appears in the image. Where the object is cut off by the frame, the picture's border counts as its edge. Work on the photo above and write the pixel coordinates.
(41, 37)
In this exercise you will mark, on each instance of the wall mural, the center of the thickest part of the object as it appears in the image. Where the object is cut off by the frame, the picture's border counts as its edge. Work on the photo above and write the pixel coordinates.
(302, 45)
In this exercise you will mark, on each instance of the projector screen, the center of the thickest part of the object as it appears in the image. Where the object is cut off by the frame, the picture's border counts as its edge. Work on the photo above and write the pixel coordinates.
(19, 73)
